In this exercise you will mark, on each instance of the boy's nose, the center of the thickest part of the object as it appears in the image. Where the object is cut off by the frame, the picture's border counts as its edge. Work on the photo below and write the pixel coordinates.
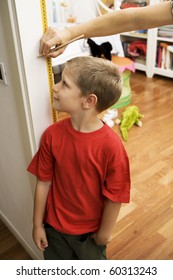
(55, 88)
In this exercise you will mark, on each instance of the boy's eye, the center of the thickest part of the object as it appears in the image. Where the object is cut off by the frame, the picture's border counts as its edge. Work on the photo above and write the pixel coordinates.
(64, 83)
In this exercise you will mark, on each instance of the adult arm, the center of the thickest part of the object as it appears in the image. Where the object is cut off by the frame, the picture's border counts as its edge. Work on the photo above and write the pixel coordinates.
(39, 235)
(112, 23)
(109, 218)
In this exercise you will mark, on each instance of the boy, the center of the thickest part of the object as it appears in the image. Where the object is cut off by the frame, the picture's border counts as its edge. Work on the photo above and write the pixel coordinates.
(82, 167)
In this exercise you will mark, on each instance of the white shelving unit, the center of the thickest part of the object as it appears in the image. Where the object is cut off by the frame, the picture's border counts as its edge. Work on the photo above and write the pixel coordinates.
(132, 36)
(152, 41)
(155, 42)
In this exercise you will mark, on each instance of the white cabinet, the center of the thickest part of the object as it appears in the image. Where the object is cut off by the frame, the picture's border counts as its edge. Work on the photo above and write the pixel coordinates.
(152, 40)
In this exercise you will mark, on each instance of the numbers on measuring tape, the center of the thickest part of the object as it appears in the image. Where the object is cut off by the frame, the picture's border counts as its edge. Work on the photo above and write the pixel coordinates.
(48, 60)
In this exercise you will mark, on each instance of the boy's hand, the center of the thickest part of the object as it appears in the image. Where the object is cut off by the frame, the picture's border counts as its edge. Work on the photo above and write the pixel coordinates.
(39, 237)
(101, 239)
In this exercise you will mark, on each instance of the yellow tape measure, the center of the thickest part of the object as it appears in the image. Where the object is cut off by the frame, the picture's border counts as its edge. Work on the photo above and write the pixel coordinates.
(48, 60)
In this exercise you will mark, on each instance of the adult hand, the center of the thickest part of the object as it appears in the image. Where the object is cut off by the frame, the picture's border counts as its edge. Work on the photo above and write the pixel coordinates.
(52, 38)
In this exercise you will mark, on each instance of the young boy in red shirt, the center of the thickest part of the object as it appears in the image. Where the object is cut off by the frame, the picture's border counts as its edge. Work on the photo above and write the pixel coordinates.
(82, 168)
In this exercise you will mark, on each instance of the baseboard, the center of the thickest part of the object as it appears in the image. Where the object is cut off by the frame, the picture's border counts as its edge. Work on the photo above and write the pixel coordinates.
(17, 235)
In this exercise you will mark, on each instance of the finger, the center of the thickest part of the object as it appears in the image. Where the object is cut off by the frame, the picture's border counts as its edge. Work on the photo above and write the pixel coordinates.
(50, 44)
(41, 47)
(49, 40)
(45, 46)
(41, 245)
(44, 242)
(44, 40)
(55, 53)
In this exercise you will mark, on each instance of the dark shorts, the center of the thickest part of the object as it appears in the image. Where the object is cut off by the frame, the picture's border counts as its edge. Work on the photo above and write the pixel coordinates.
(72, 247)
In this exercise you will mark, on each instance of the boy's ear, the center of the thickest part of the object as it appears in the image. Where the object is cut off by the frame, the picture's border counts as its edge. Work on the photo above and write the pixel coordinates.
(90, 101)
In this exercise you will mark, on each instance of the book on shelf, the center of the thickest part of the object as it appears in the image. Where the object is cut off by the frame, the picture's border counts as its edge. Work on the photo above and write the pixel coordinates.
(164, 57)
(165, 31)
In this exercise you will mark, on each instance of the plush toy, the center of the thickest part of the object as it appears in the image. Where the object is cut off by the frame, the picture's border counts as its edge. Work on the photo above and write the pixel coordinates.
(103, 50)
(109, 117)
(129, 117)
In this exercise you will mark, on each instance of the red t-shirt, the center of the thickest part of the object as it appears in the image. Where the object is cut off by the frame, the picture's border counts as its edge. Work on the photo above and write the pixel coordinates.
(84, 168)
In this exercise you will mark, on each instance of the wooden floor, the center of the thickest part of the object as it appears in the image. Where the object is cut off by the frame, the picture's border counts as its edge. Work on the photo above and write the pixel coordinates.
(145, 226)
(10, 248)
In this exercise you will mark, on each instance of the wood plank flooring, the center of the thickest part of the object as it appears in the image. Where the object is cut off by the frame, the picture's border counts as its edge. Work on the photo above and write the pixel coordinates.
(10, 248)
(145, 226)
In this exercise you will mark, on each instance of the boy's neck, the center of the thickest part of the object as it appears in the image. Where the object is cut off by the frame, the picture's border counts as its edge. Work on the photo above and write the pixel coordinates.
(86, 124)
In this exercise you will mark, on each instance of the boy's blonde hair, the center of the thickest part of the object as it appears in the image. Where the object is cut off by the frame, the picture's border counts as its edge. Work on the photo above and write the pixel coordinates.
(98, 76)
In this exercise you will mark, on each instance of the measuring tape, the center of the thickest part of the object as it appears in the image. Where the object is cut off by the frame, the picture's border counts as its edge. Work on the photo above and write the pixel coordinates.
(48, 60)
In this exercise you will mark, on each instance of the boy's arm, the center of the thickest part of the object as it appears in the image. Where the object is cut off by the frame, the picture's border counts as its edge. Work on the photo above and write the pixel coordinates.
(40, 199)
(109, 217)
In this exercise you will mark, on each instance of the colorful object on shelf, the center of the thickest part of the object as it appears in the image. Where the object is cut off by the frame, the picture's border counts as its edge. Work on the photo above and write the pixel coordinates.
(129, 117)
(137, 48)
(126, 66)
(132, 3)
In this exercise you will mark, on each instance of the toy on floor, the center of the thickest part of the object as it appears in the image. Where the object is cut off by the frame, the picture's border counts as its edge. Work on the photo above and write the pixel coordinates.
(129, 117)
(109, 117)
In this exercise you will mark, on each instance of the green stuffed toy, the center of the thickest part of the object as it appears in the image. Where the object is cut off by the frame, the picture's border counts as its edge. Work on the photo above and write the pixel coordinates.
(129, 117)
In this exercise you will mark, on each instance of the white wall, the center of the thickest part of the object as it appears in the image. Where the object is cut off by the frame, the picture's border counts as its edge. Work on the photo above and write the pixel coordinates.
(24, 113)
(84, 9)
(81, 9)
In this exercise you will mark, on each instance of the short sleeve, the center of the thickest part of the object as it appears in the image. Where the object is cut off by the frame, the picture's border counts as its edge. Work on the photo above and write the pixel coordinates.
(117, 183)
(42, 165)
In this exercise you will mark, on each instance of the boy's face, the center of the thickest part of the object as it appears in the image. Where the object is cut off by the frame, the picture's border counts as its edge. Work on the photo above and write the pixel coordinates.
(67, 96)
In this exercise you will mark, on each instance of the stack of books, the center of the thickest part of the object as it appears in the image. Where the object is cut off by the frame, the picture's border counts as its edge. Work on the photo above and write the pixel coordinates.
(164, 57)
(165, 31)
